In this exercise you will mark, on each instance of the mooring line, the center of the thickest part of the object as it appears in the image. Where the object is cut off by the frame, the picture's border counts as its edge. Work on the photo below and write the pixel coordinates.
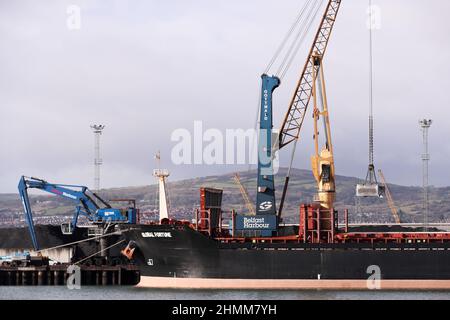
(92, 255)
(86, 240)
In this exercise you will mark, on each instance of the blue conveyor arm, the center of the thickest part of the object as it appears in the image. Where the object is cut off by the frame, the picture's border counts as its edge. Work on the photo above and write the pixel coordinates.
(23, 191)
(86, 205)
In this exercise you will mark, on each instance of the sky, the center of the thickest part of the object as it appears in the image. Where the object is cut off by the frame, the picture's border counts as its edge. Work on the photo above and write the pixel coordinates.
(147, 68)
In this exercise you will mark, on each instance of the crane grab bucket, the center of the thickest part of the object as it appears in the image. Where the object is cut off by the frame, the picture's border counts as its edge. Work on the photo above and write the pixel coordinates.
(373, 190)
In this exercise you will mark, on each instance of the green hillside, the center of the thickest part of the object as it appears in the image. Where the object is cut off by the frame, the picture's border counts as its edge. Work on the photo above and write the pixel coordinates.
(184, 197)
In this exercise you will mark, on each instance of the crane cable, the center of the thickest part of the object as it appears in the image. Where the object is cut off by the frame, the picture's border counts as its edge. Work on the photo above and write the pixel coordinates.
(300, 39)
(371, 80)
(298, 23)
(270, 65)
(286, 37)
(303, 23)
(371, 177)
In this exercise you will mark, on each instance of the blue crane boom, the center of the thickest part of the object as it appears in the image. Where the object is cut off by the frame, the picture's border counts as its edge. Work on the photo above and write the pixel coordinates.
(265, 198)
(87, 206)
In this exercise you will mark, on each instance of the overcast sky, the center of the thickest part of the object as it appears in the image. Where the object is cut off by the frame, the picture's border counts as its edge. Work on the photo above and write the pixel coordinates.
(146, 68)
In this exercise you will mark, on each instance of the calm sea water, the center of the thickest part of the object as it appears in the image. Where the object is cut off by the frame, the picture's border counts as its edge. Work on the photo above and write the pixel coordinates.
(131, 293)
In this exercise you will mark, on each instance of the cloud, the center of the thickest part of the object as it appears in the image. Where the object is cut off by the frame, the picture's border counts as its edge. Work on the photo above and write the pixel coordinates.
(147, 68)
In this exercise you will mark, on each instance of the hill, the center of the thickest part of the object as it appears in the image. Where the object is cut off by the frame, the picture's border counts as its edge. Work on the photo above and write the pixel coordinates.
(184, 197)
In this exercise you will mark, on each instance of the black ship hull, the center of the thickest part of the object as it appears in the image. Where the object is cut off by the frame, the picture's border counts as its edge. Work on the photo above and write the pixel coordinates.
(178, 256)
(180, 252)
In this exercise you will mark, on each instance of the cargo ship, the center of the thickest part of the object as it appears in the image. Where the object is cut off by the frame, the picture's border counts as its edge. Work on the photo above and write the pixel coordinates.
(317, 253)
(255, 249)
(226, 250)
(213, 253)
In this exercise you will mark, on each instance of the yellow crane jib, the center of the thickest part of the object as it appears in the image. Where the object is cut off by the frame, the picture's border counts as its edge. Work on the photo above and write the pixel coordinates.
(323, 159)
(323, 163)
(390, 200)
(245, 196)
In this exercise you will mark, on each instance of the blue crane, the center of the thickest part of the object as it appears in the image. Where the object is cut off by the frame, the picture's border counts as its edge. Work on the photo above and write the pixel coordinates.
(265, 198)
(97, 211)
(293, 122)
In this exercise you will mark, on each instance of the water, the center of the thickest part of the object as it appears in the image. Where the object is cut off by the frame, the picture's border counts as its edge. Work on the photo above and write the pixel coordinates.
(132, 293)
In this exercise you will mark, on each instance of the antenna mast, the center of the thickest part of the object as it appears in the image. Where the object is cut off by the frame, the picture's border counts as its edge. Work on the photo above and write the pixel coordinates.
(98, 161)
(425, 126)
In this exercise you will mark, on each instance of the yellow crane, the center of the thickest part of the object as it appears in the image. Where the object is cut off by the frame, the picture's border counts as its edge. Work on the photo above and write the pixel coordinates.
(248, 203)
(323, 160)
(389, 198)
(312, 86)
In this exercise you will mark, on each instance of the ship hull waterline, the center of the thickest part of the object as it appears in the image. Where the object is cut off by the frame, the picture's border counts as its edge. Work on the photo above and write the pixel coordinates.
(174, 256)
(258, 284)
(179, 257)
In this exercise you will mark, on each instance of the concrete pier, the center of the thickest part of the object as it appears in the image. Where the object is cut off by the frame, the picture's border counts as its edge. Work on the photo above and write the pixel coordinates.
(126, 275)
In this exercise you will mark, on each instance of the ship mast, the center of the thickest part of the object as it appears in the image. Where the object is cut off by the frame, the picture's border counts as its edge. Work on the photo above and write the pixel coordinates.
(162, 175)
